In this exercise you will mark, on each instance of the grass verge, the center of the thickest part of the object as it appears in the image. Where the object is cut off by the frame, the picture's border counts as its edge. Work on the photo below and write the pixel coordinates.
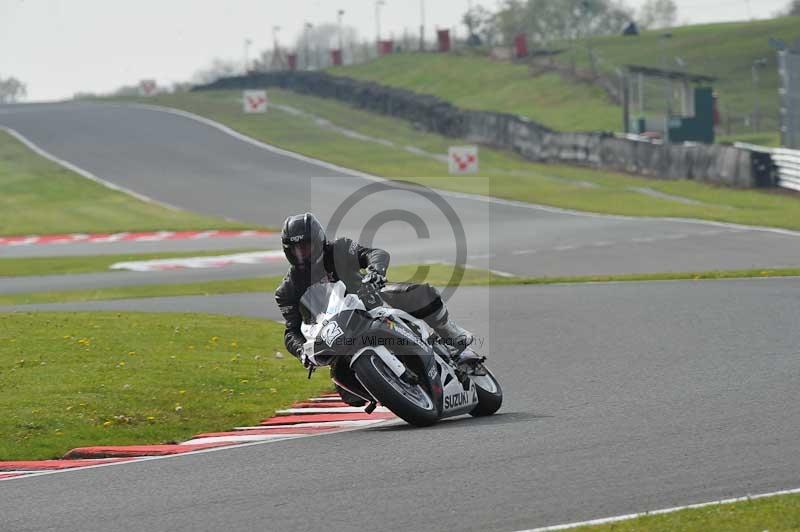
(38, 196)
(78, 379)
(94, 263)
(506, 174)
(781, 513)
(438, 275)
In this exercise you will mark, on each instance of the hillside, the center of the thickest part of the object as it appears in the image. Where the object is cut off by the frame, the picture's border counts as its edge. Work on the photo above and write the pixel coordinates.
(476, 82)
(726, 51)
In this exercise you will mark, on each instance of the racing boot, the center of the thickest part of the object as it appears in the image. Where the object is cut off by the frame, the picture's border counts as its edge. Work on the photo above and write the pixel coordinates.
(454, 337)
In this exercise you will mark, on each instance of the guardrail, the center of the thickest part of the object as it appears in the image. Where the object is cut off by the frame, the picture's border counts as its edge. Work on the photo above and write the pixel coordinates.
(788, 164)
(785, 163)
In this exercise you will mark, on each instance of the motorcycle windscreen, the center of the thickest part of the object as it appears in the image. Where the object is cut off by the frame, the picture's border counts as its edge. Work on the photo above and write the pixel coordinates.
(326, 299)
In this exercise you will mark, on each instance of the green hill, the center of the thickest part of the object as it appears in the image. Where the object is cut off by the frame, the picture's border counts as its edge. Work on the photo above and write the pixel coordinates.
(726, 51)
(476, 82)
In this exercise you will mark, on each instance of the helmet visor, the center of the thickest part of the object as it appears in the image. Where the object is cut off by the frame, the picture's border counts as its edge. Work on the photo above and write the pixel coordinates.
(303, 251)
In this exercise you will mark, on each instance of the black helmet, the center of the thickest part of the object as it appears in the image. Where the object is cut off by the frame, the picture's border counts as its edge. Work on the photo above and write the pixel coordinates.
(303, 240)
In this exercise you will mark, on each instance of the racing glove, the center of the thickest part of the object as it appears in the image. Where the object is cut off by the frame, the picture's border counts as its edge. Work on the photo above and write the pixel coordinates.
(308, 352)
(371, 285)
(374, 278)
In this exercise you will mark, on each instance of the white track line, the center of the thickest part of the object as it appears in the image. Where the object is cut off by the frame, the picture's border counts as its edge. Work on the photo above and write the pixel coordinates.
(501, 273)
(203, 234)
(26, 242)
(110, 239)
(474, 197)
(242, 438)
(156, 237)
(627, 517)
(212, 261)
(81, 172)
(348, 423)
(323, 400)
(332, 410)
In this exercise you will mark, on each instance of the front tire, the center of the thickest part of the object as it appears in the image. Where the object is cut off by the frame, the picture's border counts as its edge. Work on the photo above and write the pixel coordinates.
(349, 398)
(490, 395)
(411, 402)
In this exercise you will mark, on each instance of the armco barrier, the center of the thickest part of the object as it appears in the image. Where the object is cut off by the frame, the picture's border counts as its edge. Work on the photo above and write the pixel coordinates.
(783, 163)
(788, 164)
(724, 165)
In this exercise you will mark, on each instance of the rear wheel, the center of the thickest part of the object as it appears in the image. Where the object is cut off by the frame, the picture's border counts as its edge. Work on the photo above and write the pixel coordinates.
(410, 401)
(490, 396)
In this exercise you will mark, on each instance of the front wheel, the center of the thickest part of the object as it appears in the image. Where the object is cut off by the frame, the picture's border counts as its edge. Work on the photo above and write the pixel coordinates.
(490, 395)
(411, 402)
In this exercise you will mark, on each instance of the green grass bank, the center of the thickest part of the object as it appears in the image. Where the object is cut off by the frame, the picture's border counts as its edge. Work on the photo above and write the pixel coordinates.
(82, 379)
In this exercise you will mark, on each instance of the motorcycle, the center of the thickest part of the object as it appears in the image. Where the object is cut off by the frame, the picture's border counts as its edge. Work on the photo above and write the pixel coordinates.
(382, 355)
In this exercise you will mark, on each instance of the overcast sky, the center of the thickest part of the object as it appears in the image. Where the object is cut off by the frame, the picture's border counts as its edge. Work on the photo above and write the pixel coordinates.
(59, 47)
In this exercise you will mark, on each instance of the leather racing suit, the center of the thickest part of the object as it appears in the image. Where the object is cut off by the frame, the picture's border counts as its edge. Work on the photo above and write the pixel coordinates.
(343, 260)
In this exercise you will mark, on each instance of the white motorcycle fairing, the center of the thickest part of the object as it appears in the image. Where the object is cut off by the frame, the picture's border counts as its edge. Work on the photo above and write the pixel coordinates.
(326, 300)
(455, 399)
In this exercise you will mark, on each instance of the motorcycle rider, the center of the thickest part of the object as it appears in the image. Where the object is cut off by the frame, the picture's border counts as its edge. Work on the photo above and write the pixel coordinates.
(313, 259)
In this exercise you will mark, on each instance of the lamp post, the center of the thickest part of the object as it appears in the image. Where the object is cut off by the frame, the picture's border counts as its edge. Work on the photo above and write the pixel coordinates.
(308, 27)
(277, 56)
(421, 25)
(378, 4)
(757, 65)
(667, 86)
(247, 43)
(339, 16)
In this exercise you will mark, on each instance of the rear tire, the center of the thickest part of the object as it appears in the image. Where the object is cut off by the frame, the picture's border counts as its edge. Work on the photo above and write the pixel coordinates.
(394, 393)
(490, 395)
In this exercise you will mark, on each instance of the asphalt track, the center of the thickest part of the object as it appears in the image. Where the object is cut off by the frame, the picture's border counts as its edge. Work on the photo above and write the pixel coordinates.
(619, 398)
(182, 162)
